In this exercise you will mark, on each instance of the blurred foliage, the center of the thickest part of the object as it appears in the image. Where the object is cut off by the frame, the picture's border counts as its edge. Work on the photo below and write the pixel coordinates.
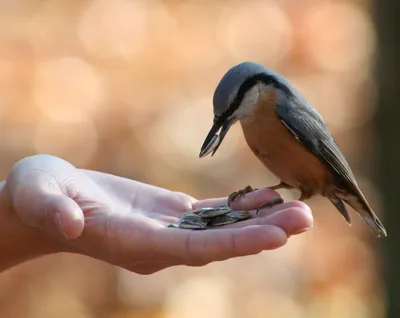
(126, 87)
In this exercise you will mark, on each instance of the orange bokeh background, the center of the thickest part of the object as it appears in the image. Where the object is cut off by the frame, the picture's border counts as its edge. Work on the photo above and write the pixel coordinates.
(125, 87)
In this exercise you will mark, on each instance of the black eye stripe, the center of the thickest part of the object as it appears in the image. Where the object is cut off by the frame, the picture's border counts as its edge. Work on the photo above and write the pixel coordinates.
(248, 84)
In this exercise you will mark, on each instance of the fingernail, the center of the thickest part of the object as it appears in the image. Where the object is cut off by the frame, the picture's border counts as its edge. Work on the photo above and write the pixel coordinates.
(60, 225)
(302, 230)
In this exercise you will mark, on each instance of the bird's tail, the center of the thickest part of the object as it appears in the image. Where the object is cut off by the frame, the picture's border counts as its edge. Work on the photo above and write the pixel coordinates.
(360, 204)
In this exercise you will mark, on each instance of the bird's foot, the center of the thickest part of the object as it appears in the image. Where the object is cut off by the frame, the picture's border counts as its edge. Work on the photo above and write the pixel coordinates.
(281, 185)
(238, 193)
(270, 204)
(305, 196)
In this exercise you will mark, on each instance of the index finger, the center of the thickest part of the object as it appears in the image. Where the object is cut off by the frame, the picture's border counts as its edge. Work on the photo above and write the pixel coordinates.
(249, 201)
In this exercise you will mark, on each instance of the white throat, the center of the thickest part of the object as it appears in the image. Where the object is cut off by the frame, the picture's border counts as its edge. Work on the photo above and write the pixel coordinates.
(250, 99)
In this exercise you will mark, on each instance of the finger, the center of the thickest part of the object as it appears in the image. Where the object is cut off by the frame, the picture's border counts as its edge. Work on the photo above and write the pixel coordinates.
(209, 203)
(292, 220)
(198, 248)
(293, 217)
(249, 201)
(147, 268)
(56, 213)
(279, 207)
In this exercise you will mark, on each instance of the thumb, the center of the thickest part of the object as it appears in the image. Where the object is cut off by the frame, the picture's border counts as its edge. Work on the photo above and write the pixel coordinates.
(53, 212)
(37, 188)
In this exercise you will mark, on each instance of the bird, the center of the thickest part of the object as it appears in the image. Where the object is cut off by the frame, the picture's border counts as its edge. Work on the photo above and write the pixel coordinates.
(287, 134)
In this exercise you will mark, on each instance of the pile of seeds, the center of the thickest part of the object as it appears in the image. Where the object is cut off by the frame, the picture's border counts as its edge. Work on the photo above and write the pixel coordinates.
(202, 218)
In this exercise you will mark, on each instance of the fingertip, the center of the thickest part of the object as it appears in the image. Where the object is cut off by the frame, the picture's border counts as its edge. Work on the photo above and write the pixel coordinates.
(274, 238)
(258, 238)
(301, 205)
(293, 220)
(305, 220)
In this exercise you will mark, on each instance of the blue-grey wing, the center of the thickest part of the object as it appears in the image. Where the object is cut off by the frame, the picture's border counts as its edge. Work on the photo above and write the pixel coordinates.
(306, 125)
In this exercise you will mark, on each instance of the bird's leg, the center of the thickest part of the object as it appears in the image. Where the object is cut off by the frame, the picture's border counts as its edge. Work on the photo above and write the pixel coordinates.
(281, 185)
(238, 193)
(270, 204)
(305, 195)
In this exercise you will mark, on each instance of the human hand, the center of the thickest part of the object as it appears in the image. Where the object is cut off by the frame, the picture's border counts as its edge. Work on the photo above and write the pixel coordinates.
(48, 206)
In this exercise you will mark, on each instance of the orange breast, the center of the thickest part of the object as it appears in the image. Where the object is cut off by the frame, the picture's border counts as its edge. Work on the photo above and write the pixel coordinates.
(280, 152)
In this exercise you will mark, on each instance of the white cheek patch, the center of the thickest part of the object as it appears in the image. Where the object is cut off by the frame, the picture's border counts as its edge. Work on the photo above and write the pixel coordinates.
(248, 102)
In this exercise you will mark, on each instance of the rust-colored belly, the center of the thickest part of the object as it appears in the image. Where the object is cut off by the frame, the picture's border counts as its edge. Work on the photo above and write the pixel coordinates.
(281, 152)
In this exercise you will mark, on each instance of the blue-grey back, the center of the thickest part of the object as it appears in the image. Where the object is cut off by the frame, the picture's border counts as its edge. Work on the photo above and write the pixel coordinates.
(230, 83)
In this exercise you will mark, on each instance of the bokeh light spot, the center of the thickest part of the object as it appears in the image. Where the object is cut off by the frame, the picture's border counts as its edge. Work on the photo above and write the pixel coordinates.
(258, 30)
(178, 135)
(113, 28)
(67, 88)
(73, 141)
(347, 40)
(214, 295)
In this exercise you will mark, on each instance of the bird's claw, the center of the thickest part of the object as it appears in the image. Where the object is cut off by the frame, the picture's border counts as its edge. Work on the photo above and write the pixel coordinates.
(270, 204)
(238, 193)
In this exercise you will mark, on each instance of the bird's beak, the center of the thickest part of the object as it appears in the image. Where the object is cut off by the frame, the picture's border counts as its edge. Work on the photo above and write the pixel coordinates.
(213, 141)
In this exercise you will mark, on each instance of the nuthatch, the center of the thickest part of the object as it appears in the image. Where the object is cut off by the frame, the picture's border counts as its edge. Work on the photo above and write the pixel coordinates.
(288, 136)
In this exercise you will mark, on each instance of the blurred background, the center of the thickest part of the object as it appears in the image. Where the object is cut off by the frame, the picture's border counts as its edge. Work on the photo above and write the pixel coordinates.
(126, 87)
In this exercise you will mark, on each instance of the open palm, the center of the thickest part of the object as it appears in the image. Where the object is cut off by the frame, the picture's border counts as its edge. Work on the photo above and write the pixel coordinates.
(124, 222)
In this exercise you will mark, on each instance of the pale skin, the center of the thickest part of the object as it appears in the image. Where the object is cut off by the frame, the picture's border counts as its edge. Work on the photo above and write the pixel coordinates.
(49, 206)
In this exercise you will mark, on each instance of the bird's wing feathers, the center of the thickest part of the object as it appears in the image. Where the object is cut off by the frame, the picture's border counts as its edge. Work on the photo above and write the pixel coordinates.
(308, 127)
(338, 203)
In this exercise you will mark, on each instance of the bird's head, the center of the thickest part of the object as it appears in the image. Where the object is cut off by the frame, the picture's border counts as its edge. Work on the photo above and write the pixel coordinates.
(235, 97)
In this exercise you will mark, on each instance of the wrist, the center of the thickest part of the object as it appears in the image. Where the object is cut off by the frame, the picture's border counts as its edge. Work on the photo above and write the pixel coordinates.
(19, 242)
